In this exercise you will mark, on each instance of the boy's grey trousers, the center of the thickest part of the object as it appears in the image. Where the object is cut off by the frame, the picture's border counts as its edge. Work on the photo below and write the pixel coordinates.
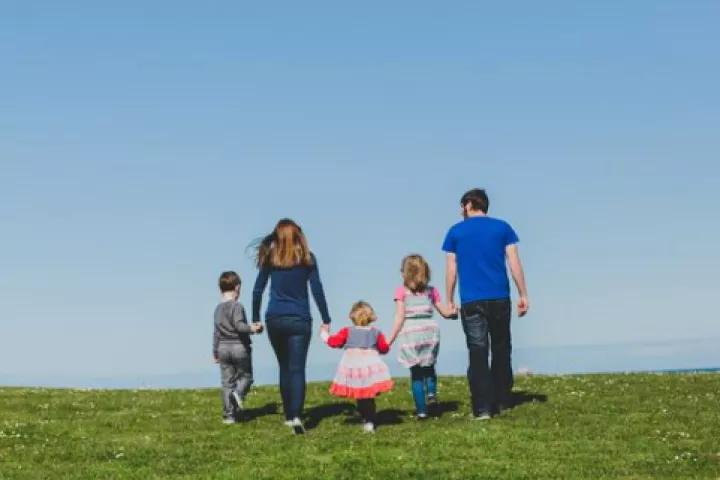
(235, 372)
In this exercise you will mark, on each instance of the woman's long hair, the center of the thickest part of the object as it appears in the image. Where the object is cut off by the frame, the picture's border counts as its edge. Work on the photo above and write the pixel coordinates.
(285, 247)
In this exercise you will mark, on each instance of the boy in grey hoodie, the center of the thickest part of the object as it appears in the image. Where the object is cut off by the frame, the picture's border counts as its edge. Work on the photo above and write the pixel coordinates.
(232, 346)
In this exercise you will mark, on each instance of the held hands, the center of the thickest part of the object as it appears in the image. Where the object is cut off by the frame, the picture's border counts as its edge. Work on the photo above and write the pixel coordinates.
(324, 332)
(451, 311)
(257, 328)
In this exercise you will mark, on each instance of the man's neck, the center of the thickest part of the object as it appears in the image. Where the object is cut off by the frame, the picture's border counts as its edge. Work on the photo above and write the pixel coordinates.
(476, 213)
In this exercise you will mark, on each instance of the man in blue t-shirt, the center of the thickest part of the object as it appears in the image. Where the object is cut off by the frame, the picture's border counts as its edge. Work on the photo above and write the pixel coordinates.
(477, 250)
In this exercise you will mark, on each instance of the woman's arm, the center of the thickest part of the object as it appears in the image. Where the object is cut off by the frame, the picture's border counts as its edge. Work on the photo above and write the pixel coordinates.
(318, 292)
(260, 284)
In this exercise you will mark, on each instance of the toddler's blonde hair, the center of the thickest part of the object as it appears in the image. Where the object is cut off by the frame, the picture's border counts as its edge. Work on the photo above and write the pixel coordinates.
(362, 314)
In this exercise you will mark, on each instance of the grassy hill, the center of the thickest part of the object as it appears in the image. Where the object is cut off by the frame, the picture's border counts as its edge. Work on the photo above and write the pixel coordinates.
(597, 426)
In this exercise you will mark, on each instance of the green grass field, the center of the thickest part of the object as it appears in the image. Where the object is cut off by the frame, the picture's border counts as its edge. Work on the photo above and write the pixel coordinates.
(595, 426)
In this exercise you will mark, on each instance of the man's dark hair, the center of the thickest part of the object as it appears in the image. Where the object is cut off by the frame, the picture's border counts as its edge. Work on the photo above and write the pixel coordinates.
(228, 281)
(477, 198)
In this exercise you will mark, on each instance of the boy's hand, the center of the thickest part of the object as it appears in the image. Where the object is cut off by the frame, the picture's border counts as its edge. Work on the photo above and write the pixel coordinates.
(215, 359)
(257, 327)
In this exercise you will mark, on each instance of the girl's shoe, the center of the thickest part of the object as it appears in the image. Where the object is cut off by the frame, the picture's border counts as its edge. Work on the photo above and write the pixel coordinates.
(369, 427)
(432, 405)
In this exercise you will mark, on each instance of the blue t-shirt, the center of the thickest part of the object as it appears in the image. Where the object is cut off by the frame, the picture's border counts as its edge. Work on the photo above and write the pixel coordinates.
(479, 245)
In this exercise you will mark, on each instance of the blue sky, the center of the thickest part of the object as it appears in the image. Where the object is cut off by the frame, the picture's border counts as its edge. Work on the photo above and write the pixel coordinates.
(144, 145)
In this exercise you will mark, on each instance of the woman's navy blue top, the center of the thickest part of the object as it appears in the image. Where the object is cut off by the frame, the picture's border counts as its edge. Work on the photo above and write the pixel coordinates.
(289, 292)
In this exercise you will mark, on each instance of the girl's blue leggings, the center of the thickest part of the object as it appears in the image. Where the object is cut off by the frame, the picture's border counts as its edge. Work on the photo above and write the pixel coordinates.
(424, 386)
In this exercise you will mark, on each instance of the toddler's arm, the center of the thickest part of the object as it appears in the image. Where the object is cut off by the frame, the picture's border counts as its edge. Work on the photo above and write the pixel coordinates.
(383, 346)
(335, 341)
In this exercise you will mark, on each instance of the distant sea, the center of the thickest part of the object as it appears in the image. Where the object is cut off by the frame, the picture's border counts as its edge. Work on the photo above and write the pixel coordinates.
(681, 356)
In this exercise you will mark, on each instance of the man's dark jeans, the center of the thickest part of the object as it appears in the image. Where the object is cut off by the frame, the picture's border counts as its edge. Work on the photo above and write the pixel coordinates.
(290, 339)
(487, 329)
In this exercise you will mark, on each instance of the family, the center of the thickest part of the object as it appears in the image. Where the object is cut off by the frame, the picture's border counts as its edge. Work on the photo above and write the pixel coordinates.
(479, 250)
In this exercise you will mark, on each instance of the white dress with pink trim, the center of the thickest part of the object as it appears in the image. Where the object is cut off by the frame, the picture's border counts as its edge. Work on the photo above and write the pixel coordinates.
(362, 373)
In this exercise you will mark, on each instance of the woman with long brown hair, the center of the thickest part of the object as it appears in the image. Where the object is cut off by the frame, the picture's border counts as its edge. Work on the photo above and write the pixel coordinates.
(284, 259)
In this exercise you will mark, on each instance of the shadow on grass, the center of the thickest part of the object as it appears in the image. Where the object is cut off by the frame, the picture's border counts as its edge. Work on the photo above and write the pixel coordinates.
(250, 414)
(317, 414)
(390, 416)
(520, 397)
(442, 408)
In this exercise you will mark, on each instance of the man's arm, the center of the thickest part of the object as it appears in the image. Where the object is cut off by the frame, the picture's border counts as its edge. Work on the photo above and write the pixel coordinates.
(450, 276)
(516, 269)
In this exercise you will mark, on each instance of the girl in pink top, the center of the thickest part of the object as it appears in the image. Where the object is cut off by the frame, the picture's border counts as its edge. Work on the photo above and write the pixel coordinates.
(416, 331)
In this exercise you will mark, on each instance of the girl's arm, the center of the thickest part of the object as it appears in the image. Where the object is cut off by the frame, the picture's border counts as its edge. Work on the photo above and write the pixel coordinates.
(399, 319)
(443, 310)
(260, 284)
(335, 341)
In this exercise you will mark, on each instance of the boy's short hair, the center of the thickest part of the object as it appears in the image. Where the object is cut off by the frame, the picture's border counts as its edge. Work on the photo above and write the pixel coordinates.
(477, 198)
(229, 281)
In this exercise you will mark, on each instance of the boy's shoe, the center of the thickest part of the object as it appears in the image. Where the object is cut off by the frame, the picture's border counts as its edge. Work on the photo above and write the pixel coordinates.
(288, 423)
(297, 426)
(369, 427)
(228, 421)
(482, 416)
(421, 416)
(236, 402)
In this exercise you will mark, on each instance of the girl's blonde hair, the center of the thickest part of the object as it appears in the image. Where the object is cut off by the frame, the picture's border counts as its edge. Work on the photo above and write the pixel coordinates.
(362, 314)
(285, 247)
(415, 273)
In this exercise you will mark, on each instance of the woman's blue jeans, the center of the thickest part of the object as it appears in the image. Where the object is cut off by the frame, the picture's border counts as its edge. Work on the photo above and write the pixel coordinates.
(290, 339)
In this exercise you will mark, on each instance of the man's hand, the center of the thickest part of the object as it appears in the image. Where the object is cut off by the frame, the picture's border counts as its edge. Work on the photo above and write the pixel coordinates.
(257, 328)
(452, 311)
(523, 306)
